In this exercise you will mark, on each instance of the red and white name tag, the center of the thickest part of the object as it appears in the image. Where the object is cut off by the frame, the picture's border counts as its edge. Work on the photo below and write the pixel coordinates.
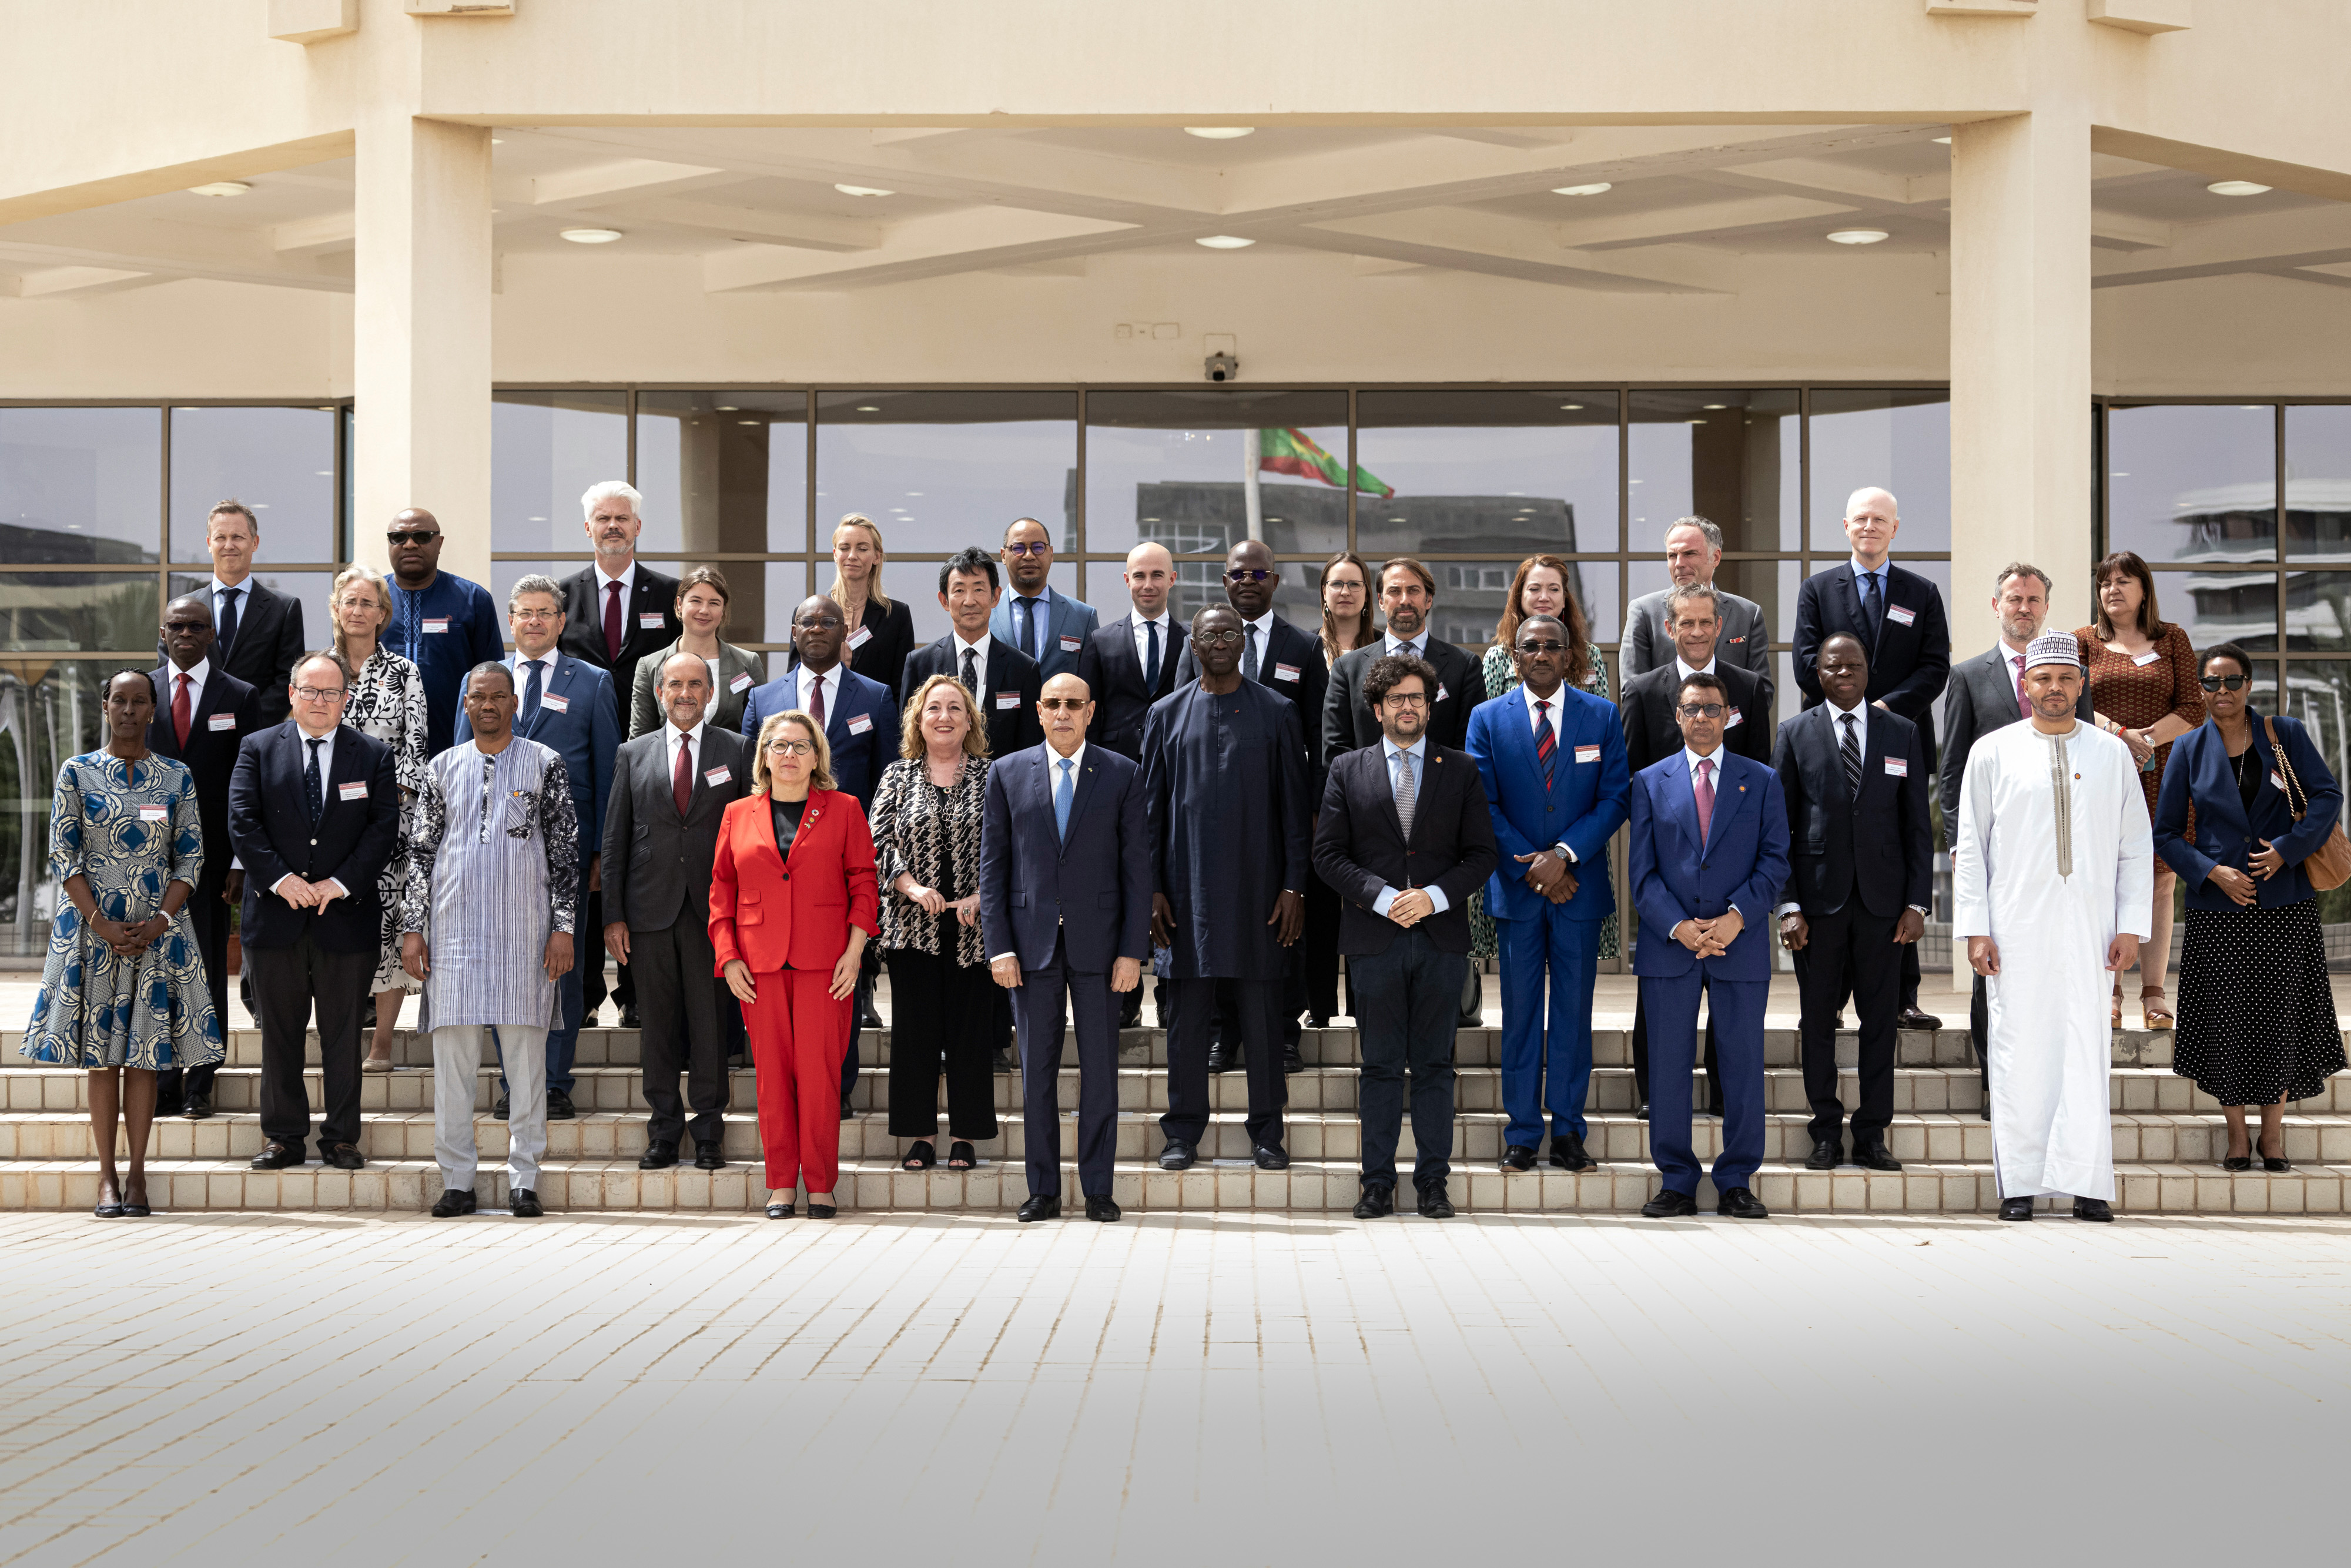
(718, 775)
(436, 626)
(560, 705)
(1899, 616)
(1587, 754)
(1070, 644)
(1898, 768)
(2277, 782)
(354, 791)
(2147, 658)
(220, 721)
(154, 813)
(649, 622)
(740, 682)
(859, 723)
(862, 636)
(1734, 639)
(1441, 693)
(1735, 720)
(1007, 699)
(1285, 672)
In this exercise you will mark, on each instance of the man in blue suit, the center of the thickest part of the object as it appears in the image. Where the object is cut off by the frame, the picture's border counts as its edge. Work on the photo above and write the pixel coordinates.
(1710, 855)
(565, 704)
(1065, 906)
(1552, 759)
(1052, 628)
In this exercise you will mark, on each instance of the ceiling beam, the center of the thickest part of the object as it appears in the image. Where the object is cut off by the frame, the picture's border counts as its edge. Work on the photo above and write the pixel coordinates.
(1469, 241)
(2266, 242)
(982, 238)
(1705, 220)
(602, 183)
(808, 231)
(49, 283)
(315, 236)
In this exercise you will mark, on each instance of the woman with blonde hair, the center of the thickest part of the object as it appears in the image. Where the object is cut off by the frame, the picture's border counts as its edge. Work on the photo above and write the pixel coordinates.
(702, 600)
(387, 704)
(791, 908)
(879, 632)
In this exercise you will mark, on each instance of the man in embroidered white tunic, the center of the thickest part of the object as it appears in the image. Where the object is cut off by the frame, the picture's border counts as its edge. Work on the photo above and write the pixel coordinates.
(2052, 873)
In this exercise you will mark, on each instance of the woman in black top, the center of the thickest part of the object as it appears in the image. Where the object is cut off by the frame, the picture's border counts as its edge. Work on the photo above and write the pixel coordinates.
(881, 631)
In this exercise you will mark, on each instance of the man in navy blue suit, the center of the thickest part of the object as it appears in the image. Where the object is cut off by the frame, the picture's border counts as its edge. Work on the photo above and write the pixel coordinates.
(1050, 627)
(314, 813)
(1552, 760)
(1710, 855)
(565, 704)
(1065, 906)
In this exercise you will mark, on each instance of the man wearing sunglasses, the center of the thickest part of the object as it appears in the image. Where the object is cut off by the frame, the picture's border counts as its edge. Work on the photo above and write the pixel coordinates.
(441, 622)
(1049, 626)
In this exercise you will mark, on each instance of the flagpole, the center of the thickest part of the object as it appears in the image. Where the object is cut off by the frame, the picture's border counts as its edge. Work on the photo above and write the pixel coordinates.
(1252, 449)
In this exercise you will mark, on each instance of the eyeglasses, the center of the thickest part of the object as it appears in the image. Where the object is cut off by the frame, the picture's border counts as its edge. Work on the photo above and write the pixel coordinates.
(1407, 699)
(319, 693)
(1215, 638)
(791, 748)
(1057, 705)
(1250, 574)
(2224, 683)
(1038, 549)
(413, 537)
(1542, 647)
(536, 615)
(812, 622)
(1700, 710)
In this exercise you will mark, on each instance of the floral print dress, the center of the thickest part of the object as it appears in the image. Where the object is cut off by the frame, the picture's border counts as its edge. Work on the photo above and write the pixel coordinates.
(388, 705)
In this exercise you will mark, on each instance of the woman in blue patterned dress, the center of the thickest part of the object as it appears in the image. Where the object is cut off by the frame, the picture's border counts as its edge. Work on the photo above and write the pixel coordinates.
(124, 988)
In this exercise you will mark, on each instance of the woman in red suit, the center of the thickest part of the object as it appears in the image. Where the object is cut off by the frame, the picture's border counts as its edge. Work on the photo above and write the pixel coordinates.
(792, 904)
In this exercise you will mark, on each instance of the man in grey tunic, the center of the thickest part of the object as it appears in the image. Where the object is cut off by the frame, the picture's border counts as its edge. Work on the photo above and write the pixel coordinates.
(488, 914)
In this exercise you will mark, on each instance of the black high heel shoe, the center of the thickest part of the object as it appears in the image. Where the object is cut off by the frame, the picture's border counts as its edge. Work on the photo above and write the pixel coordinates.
(960, 1150)
(921, 1158)
(821, 1210)
(2277, 1163)
(2236, 1162)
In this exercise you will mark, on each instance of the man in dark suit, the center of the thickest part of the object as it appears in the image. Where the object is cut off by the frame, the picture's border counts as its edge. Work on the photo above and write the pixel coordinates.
(1709, 857)
(1405, 838)
(314, 812)
(1004, 679)
(1065, 840)
(201, 715)
(1408, 594)
(670, 789)
(1049, 626)
(1862, 873)
(1897, 617)
(258, 630)
(565, 704)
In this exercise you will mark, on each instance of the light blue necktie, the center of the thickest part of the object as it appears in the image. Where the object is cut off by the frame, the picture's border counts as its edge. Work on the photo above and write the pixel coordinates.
(1062, 800)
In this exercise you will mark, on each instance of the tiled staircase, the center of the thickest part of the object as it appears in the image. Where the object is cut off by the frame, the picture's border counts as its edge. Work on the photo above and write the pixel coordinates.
(2167, 1139)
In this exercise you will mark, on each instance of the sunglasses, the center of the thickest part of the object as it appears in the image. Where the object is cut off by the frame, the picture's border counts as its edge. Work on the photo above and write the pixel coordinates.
(1249, 574)
(1700, 710)
(1542, 647)
(2224, 683)
(1057, 705)
(413, 537)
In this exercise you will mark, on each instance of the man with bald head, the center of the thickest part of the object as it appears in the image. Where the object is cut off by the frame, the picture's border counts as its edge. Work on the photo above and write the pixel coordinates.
(1049, 626)
(441, 622)
(1897, 618)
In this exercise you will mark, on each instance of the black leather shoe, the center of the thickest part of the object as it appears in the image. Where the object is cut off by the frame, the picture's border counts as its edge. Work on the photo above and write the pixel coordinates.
(453, 1202)
(1984, 1115)
(136, 1211)
(847, 1113)
(498, 1111)
(343, 1157)
(1223, 1057)
(277, 1156)
(1291, 1062)
(1641, 1108)
(706, 1156)
(1101, 1210)
(780, 1210)
(2097, 1208)
(1826, 1156)
(1130, 1016)
(1377, 1203)
(1040, 1206)
(1178, 1155)
(1002, 1062)
(559, 1107)
(1911, 1018)
(659, 1156)
(1875, 1155)
(1567, 1152)
(630, 1019)
(197, 1105)
(1669, 1204)
(1270, 1158)
(2016, 1209)
(822, 1210)
(1434, 1203)
(523, 1204)
(108, 1211)
(866, 1016)
(1739, 1203)
(1518, 1158)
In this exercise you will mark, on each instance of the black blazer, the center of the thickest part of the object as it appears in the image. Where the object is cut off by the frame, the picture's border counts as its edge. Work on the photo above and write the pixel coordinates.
(1113, 671)
(882, 656)
(2199, 774)
(1879, 848)
(1010, 728)
(210, 754)
(1910, 665)
(268, 641)
(1647, 709)
(656, 862)
(1290, 664)
(270, 829)
(651, 594)
(1347, 723)
(1981, 699)
(1360, 847)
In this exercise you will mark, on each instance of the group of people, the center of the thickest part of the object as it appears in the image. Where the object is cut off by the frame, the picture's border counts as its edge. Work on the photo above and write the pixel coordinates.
(1232, 805)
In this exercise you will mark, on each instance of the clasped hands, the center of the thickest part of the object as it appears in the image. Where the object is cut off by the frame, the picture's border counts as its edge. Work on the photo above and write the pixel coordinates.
(1710, 938)
(129, 938)
(1548, 874)
(2237, 886)
(303, 894)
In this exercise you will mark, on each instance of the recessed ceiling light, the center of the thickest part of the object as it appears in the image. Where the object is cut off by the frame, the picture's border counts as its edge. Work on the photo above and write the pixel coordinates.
(863, 191)
(1572, 407)
(497, 141)
(867, 408)
(1856, 237)
(1713, 406)
(726, 408)
(1224, 242)
(2218, 187)
(1944, 140)
(591, 237)
(220, 188)
(1595, 189)
(1220, 132)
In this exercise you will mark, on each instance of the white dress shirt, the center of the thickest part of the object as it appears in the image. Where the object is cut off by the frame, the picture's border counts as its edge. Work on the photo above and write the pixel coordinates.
(1536, 718)
(604, 594)
(326, 771)
(1687, 670)
(1419, 754)
(979, 670)
(830, 681)
(545, 662)
(243, 591)
(196, 675)
(1143, 640)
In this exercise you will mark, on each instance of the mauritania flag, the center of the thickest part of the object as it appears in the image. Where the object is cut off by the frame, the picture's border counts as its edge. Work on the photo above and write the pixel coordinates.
(1293, 452)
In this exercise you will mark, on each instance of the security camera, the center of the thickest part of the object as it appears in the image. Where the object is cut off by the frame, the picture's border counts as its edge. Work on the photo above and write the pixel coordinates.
(1223, 368)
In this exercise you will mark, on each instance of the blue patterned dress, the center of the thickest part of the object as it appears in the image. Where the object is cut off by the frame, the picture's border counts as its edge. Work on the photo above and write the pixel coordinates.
(131, 833)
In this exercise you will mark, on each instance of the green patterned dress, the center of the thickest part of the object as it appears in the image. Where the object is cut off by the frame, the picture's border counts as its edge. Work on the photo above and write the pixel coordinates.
(1501, 681)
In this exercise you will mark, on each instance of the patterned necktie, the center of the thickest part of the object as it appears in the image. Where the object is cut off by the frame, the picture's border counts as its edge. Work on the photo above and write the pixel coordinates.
(1703, 793)
(182, 715)
(614, 634)
(1849, 752)
(230, 598)
(816, 699)
(530, 694)
(1151, 658)
(1061, 795)
(681, 782)
(2023, 702)
(971, 674)
(1248, 654)
(1873, 613)
(312, 794)
(1408, 796)
(1546, 742)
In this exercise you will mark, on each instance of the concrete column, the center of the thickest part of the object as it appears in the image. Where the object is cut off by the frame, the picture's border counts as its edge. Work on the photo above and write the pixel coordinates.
(2020, 478)
(421, 347)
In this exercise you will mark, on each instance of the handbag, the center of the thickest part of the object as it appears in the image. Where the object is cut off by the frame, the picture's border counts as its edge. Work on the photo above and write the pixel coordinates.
(2328, 865)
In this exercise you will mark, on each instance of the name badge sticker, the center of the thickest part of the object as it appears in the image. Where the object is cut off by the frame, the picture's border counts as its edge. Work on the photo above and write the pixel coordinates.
(2277, 782)
(1442, 694)
(1898, 768)
(1285, 672)
(2148, 657)
(356, 791)
(740, 682)
(1735, 720)
(1900, 616)
(220, 721)
(862, 636)
(436, 625)
(154, 813)
(1070, 644)
(560, 705)
(1005, 700)
(1587, 754)
(649, 622)
(859, 723)
(719, 774)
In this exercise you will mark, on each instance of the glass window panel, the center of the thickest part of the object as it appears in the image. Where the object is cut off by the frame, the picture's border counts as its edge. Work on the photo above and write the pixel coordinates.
(546, 449)
(307, 589)
(80, 484)
(278, 461)
(1735, 457)
(2317, 612)
(2318, 693)
(779, 585)
(78, 612)
(50, 710)
(2238, 607)
(1516, 472)
(1896, 440)
(2318, 482)
(941, 470)
(1771, 584)
(1174, 466)
(723, 473)
(2193, 482)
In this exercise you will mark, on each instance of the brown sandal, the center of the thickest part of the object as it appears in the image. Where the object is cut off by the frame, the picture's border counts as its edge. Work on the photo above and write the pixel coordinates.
(2151, 1006)
(2116, 1017)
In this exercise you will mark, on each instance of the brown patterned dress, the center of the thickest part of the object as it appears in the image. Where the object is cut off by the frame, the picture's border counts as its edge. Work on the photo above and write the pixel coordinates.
(2135, 694)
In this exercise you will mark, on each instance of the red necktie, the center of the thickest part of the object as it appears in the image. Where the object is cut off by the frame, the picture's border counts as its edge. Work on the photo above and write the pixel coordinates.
(1703, 790)
(2023, 702)
(180, 716)
(612, 630)
(815, 700)
(1546, 743)
(681, 781)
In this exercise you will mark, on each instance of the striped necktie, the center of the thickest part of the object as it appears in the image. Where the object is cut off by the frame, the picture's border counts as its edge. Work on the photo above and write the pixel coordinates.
(1546, 741)
(1849, 752)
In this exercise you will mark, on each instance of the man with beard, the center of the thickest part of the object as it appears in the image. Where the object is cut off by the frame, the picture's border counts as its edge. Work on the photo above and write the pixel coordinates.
(1049, 626)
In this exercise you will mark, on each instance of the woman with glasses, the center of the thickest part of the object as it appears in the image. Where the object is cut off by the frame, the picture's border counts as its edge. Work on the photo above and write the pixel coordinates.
(1346, 606)
(927, 812)
(880, 630)
(702, 610)
(387, 704)
(791, 908)
(122, 990)
(2143, 685)
(2257, 1024)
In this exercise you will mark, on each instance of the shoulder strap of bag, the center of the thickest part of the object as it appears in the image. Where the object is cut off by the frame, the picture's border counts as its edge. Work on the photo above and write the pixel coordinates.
(2293, 784)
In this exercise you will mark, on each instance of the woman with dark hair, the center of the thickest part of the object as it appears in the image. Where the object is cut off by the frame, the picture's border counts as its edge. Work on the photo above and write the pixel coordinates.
(879, 632)
(122, 990)
(1343, 587)
(2143, 686)
(2257, 1024)
(702, 600)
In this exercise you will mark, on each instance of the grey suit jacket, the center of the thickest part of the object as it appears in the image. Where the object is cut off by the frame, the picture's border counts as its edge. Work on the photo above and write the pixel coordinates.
(657, 862)
(1744, 639)
(1980, 697)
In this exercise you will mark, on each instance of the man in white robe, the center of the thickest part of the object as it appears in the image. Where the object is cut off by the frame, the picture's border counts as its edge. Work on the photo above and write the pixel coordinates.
(2052, 873)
